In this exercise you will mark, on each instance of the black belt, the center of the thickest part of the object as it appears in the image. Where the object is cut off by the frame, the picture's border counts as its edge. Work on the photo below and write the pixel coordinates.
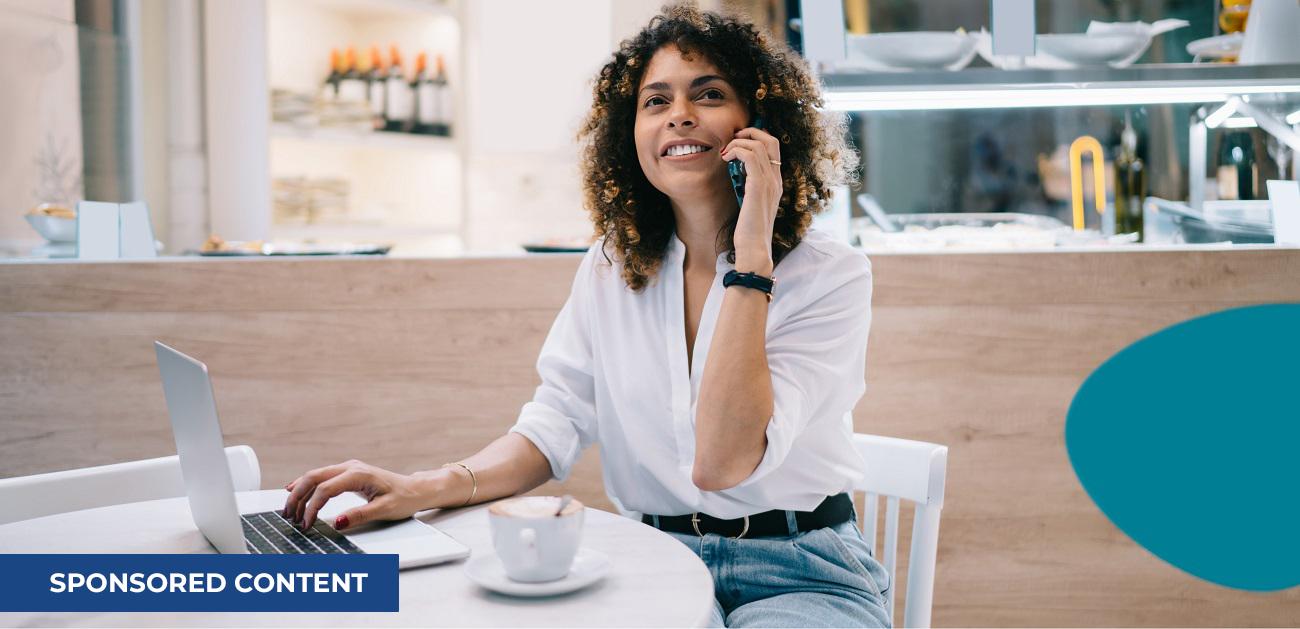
(832, 511)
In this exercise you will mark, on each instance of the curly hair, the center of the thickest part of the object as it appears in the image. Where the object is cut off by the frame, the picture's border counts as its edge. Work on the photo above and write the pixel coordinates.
(633, 216)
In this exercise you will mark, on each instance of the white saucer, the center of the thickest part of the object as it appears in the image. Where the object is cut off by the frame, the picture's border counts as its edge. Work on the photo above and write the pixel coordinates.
(589, 566)
(1217, 47)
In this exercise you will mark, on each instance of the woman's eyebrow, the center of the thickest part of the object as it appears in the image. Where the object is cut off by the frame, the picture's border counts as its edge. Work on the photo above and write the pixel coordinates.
(694, 84)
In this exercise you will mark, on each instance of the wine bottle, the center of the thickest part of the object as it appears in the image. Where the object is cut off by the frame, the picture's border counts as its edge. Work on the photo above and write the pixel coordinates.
(426, 101)
(375, 79)
(1130, 183)
(330, 91)
(444, 110)
(352, 86)
(397, 95)
(1237, 167)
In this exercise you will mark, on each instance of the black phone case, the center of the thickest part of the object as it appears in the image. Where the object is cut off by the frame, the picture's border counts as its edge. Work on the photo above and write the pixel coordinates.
(736, 169)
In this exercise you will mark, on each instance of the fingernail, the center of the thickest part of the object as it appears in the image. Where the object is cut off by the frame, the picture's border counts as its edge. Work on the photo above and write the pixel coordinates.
(341, 522)
(289, 486)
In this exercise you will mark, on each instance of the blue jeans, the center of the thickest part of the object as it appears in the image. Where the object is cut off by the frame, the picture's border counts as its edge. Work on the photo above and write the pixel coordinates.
(820, 578)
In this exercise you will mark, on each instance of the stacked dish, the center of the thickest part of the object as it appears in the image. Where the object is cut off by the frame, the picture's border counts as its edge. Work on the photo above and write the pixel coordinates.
(1114, 44)
(922, 50)
(1236, 222)
(974, 231)
(1219, 47)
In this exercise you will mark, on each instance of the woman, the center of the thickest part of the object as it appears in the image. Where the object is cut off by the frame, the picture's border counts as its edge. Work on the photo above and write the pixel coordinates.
(721, 399)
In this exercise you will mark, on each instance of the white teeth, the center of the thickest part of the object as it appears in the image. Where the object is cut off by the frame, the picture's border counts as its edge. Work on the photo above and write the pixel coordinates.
(686, 149)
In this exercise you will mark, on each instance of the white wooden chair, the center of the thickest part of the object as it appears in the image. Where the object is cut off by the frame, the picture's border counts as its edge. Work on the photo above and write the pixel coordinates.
(907, 470)
(27, 497)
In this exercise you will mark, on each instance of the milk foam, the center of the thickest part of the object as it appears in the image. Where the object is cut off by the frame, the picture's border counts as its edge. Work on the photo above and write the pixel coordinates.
(533, 507)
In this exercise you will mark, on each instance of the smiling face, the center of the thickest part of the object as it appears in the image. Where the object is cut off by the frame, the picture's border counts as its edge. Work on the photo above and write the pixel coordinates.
(686, 114)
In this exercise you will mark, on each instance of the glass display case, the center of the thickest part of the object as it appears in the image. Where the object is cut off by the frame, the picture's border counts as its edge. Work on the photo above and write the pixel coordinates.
(1137, 100)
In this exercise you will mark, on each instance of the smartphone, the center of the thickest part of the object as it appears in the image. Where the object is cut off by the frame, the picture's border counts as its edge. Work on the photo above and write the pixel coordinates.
(736, 169)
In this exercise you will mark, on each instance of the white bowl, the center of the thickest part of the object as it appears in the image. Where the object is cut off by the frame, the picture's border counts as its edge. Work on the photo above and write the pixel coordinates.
(1216, 47)
(1118, 49)
(923, 50)
(54, 228)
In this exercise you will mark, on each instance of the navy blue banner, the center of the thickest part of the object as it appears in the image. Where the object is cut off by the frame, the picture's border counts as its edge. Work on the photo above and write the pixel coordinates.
(198, 583)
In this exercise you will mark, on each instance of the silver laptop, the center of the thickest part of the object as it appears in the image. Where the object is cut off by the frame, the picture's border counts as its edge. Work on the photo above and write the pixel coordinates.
(199, 444)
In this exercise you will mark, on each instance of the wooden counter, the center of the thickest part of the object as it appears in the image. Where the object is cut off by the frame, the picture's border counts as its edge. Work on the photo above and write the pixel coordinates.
(410, 363)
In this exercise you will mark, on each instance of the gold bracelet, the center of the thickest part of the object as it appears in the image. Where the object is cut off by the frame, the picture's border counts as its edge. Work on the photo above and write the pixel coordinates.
(473, 492)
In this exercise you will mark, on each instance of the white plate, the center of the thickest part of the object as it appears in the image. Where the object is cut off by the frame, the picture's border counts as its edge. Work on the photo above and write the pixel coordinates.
(1094, 50)
(924, 50)
(589, 566)
(1217, 47)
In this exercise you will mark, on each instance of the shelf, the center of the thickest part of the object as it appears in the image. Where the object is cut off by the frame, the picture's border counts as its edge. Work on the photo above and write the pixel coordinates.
(357, 232)
(387, 8)
(980, 88)
(367, 139)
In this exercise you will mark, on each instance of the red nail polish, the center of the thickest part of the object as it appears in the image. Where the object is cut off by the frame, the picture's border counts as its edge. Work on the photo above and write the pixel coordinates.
(341, 522)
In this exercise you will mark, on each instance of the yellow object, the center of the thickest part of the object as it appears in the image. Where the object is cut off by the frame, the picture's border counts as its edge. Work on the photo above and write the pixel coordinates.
(857, 14)
(57, 210)
(1232, 17)
(1077, 148)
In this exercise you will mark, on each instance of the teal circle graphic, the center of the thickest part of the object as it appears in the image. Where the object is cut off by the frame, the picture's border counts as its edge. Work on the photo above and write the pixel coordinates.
(1189, 441)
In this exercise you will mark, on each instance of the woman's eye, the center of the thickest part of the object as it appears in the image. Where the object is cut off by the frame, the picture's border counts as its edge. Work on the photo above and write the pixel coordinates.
(715, 93)
(651, 101)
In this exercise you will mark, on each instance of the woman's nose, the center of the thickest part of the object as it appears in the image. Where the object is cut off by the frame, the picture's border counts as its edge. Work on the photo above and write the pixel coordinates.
(681, 116)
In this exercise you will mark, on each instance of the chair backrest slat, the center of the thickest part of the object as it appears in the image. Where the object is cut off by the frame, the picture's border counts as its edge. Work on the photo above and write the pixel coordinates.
(39, 495)
(900, 469)
(870, 513)
(920, 566)
(891, 546)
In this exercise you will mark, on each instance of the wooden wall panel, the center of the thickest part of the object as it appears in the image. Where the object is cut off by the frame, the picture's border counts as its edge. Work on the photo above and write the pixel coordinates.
(411, 363)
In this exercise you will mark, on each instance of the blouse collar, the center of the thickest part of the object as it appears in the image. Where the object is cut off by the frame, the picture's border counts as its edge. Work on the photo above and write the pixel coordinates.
(677, 253)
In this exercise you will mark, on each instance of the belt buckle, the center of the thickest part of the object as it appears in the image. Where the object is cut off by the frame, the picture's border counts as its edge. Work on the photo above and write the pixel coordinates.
(695, 522)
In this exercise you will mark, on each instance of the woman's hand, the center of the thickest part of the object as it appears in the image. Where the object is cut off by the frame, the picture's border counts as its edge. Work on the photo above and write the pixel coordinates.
(389, 495)
(757, 149)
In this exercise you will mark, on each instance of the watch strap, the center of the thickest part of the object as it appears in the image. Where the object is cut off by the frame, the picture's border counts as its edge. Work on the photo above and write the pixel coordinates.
(749, 280)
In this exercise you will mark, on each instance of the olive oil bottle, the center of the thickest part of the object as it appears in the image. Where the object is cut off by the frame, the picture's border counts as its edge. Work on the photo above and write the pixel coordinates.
(1130, 183)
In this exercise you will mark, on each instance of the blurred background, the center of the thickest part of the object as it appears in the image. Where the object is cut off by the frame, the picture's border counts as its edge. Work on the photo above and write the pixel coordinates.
(447, 128)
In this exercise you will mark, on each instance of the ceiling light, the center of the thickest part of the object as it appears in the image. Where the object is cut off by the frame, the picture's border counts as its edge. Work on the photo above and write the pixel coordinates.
(1221, 114)
(1240, 122)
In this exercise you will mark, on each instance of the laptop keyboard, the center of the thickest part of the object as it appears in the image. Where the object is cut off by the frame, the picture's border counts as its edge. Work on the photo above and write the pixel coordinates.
(268, 533)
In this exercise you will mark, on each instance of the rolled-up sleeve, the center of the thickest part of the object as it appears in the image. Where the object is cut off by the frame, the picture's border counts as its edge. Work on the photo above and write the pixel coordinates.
(561, 418)
(817, 358)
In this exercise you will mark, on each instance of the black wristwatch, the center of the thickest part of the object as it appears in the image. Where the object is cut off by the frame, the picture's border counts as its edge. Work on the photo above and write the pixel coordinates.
(749, 280)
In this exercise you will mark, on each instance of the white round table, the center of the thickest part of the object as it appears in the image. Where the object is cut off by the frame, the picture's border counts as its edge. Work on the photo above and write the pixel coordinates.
(655, 580)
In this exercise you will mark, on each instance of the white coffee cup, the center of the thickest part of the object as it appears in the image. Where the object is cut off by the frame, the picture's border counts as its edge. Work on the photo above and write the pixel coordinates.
(534, 544)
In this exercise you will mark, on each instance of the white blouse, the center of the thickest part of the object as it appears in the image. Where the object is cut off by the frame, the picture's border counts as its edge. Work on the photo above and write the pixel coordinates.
(614, 372)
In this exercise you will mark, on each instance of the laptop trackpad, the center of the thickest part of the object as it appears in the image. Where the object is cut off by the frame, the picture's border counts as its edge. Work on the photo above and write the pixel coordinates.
(415, 542)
